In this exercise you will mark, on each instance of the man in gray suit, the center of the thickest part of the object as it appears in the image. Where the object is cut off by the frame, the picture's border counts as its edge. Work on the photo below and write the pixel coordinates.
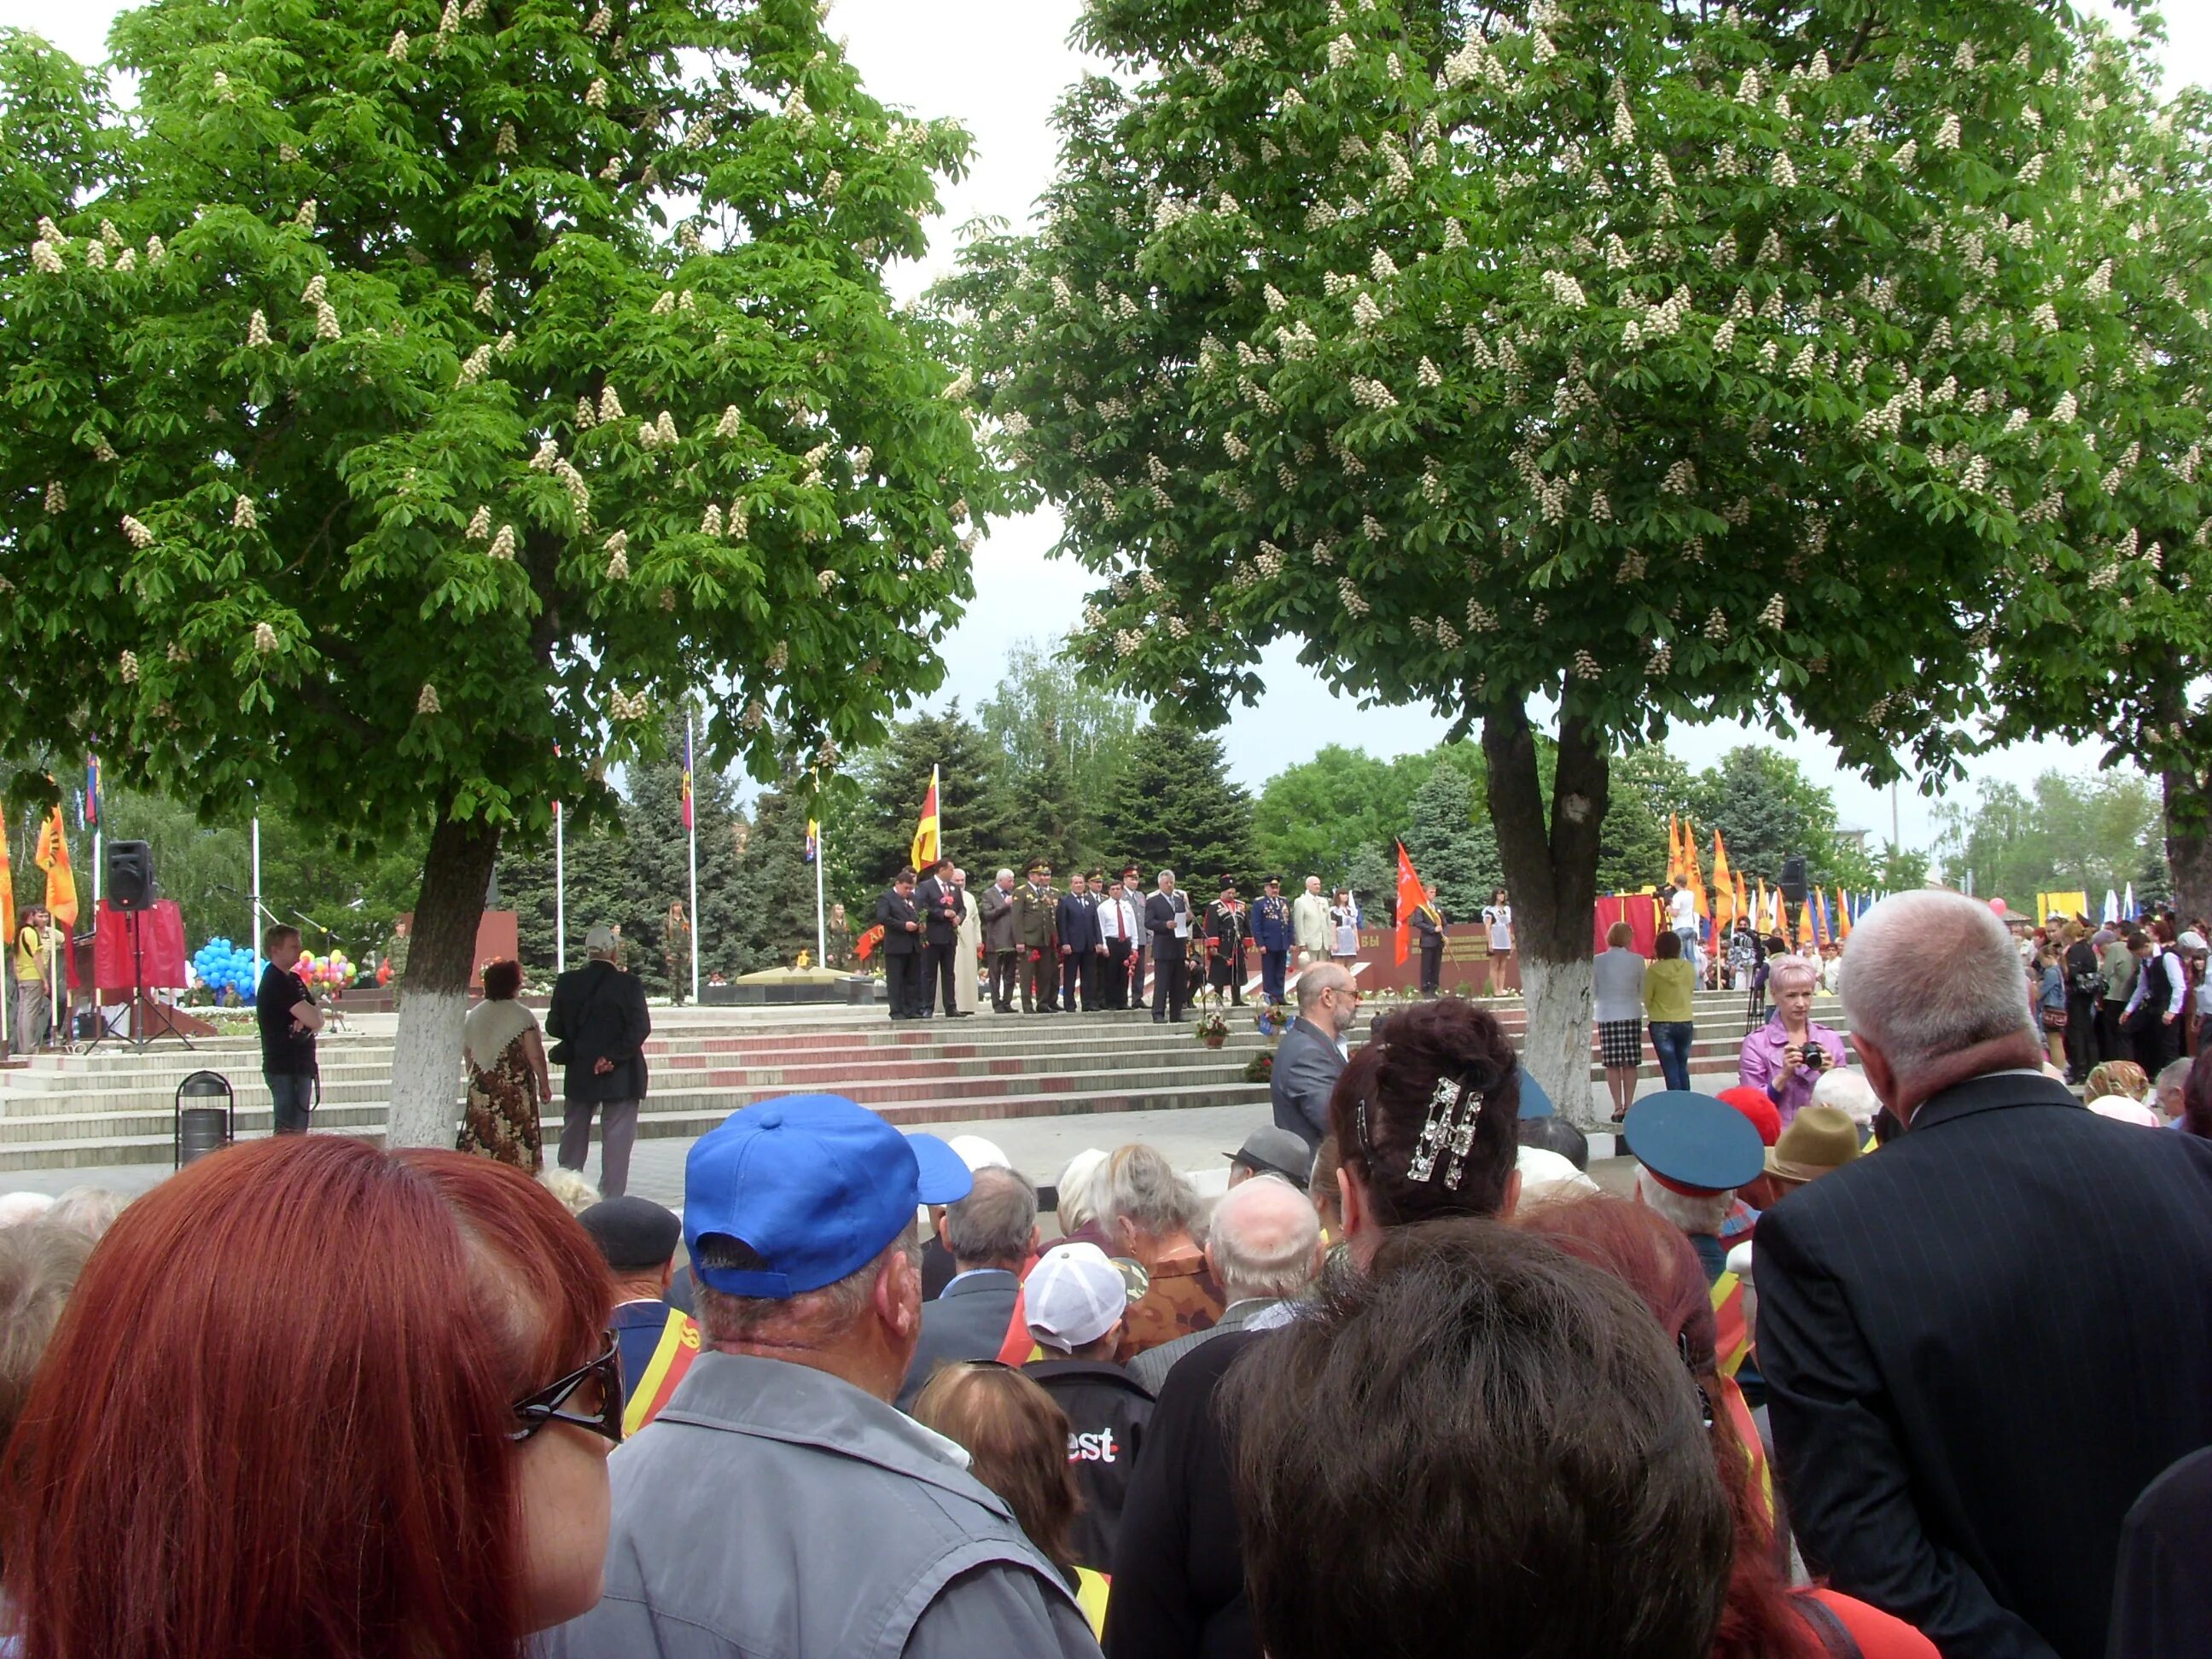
(992, 1232)
(996, 906)
(1311, 1052)
(1264, 1246)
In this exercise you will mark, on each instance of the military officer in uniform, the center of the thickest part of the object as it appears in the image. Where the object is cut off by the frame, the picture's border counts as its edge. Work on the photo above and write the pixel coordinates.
(1270, 932)
(1428, 922)
(1133, 884)
(1226, 930)
(1036, 902)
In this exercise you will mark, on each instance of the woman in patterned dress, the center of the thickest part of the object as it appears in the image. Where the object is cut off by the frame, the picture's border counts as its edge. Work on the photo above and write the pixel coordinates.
(507, 1077)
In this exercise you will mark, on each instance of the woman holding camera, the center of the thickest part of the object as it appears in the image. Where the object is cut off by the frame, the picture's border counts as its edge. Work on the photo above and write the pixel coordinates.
(1786, 1056)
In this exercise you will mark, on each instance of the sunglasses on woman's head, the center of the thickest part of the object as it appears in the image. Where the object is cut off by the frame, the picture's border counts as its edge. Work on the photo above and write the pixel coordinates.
(533, 1412)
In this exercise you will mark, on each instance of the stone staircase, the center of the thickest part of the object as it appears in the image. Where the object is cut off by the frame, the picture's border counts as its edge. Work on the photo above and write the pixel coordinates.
(115, 1105)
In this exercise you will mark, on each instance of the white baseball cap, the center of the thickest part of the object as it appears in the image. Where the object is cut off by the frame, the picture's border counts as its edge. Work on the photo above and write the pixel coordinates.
(978, 1153)
(1073, 1296)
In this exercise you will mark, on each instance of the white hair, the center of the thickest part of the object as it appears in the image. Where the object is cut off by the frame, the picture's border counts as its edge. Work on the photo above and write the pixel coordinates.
(1078, 1188)
(1262, 1237)
(1167, 875)
(1696, 1214)
(1140, 1186)
(576, 1194)
(1004, 875)
(1930, 973)
(16, 1208)
(1849, 1090)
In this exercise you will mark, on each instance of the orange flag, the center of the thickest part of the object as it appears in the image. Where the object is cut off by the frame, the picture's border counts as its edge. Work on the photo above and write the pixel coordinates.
(1724, 887)
(54, 858)
(1693, 873)
(1674, 859)
(1843, 916)
(7, 887)
(1743, 901)
(1412, 896)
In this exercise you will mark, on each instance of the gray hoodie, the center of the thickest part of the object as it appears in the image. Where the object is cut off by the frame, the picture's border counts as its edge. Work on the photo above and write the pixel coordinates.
(773, 1511)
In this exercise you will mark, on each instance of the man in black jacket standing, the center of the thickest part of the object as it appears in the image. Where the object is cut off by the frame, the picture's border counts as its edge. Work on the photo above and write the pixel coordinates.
(599, 1021)
(902, 923)
(1311, 1052)
(943, 908)
(1075, 922)
(1167, 917)
(1982, 1344)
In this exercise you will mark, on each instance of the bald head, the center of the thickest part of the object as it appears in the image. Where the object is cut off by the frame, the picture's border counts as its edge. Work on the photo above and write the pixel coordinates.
(1265, 1239)
(1321, 977)
(1930, 975)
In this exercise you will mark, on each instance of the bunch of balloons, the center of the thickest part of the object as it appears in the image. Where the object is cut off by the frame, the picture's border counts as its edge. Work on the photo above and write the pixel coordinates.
(224, 967)
(335, 970)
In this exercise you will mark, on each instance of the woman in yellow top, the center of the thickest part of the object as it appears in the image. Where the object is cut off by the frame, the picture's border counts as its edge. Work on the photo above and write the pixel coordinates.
(34, 1008)
(1667, 984)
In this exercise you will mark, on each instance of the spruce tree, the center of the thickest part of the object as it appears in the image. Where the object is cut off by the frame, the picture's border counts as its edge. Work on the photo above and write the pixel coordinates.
(773, 917)
(977, 825)
(1175, 807)
(1454, 854)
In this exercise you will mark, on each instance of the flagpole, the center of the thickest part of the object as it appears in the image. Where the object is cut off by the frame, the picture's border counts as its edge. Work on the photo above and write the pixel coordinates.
(253, 922)
(821, 916)
(560, 890)
(691, 830)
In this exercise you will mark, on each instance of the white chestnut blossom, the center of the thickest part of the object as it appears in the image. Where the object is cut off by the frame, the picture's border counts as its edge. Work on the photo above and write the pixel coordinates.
(57, 497)
(326, 322)
(1947, 136)
(136, 533)
(426, 702)
(1342, 53)
(242, 516)
(1350, 597)
(1717, 625)
(397, 51)
(503, 545)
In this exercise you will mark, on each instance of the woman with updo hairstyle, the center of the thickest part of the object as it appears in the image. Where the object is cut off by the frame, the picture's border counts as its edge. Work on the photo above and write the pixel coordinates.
(507, 1075)
(1426, 1122)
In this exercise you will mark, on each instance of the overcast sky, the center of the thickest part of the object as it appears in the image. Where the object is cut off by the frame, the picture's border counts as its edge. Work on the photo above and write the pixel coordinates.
(999, 66)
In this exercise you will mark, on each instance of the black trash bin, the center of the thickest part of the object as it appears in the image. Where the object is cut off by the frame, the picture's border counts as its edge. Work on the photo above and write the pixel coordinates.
(207, 1116)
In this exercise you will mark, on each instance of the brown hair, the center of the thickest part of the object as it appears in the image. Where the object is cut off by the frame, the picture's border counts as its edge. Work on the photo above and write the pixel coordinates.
(1619, 935)
(1480, 1447)
(1017, 1439)
(502, 980)
(1384, 1097)
(1668, 946)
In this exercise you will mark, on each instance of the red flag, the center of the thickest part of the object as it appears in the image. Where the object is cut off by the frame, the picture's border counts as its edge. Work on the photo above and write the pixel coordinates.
(867, 945)
(1412, 896)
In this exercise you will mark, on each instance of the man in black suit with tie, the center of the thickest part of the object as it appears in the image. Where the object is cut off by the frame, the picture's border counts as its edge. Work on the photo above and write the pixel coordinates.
(1076, 922)
(943, 908)
(1167, 917)
(903, 926)
(1981, 1344)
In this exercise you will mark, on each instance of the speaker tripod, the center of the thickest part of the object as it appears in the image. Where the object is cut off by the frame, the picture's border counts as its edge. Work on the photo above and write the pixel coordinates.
(140, 1021)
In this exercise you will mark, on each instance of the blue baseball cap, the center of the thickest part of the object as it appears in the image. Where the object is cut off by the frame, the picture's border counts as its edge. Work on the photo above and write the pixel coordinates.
(1535, 1102)
(1693, 1143)
(815, 1184)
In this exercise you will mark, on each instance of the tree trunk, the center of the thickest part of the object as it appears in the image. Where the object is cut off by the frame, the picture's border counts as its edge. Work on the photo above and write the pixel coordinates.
(2189, 842)
(1550, 876)
(433, 997)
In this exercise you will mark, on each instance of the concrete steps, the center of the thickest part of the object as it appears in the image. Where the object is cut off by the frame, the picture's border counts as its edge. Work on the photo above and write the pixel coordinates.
(115, 1105)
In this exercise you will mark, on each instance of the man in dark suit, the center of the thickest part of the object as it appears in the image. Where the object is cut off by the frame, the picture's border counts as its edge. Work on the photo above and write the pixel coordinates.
(1310, 1055)
(1167, 917)
(992, 1234)
(1428, 925)
(1075, 920)
(943, 908)
(902, 923)
(1981, 1344)
(599, 1014)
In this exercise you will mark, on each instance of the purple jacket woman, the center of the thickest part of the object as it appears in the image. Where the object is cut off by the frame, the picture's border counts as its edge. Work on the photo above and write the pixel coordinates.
(1773, 1056)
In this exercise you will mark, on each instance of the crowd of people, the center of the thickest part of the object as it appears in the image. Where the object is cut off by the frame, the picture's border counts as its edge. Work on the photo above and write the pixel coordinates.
(1895, 1356)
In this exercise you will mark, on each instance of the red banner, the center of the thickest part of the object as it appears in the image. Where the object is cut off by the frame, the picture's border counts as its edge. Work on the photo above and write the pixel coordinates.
(160, 951)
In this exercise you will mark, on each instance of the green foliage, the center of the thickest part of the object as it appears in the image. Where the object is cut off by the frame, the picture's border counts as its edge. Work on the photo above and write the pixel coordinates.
(1649, 786)
(1766, 810)
(398, 419)
(1319, 817)
(2088, 834)
(1176, 807)
(1454, 854)
(773, 916)
(1619, 354)
(1062, 743)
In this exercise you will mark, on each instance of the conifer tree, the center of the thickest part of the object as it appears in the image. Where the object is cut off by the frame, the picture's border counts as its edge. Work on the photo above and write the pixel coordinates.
(1176, 807)
(1456, 854)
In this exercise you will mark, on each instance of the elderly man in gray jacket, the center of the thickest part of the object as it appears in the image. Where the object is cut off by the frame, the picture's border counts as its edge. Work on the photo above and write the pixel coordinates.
(1311, 1052)
(778, 1505)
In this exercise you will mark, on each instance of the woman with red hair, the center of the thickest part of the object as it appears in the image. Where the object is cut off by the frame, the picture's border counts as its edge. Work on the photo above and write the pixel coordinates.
(314, 1397)
(1762, 1618)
